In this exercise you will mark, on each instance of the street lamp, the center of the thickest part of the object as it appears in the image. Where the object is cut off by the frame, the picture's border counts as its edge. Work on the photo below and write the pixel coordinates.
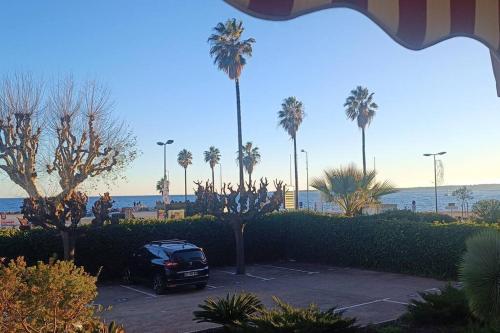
(164, 144)
(435, 176)
(307, 176)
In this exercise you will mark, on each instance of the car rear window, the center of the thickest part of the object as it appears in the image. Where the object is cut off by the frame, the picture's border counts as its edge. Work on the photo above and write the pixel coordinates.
(189, 255)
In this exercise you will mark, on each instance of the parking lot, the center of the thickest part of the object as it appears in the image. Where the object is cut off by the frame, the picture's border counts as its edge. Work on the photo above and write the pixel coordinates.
(371, 297)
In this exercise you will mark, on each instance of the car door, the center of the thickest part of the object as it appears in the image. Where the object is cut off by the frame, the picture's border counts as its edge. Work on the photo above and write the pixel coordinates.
(140, 260)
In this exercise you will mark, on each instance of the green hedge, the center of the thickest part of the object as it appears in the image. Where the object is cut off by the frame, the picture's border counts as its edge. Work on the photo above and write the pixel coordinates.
(404, 243)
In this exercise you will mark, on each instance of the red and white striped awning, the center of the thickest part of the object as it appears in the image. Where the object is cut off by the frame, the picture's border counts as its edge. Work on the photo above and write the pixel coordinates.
(415, 24)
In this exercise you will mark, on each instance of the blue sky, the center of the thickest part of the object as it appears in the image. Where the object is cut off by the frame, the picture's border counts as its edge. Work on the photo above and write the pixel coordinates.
(153, 55)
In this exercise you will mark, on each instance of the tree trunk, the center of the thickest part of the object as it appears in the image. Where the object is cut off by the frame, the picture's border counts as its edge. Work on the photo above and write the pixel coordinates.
(364, 154)
(185, 186)
(250, 178)
(296, 173)
(213, 180)
(238, 229)
(69, 242)
(240, 139)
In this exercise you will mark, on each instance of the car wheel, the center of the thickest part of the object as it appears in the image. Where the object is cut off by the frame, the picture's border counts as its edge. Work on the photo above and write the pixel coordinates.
(201, 286)
(159, 284)
(127, 276)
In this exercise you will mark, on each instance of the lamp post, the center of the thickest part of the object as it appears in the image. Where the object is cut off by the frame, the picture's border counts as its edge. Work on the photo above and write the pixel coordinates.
(435, 176)
(307, 176)
(164, 144)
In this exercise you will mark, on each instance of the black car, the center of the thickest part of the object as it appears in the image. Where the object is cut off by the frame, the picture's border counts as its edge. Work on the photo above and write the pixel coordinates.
(168, 263)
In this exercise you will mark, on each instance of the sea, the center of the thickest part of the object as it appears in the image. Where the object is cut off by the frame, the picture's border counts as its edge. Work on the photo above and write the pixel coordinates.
(423, 196)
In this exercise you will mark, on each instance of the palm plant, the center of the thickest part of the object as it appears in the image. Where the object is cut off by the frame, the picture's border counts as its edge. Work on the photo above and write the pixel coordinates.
(350, 189)
(232, 312)
(480, 275)
(229, 52)
(212, 156)
(185, 159)
(360, 107)
(251, 157)
(290, 117)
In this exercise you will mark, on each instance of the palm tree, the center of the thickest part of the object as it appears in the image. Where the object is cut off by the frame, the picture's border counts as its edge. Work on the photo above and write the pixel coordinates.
(290, 117)
(229, 52)
(360, 106)
(212, 156)
(350, 189)
(185, 159)
(251, 157)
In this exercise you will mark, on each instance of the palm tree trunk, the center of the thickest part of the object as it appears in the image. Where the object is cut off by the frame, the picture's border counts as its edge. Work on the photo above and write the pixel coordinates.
(213, 179)
(185, 186)
(238, 229)
(250, 178)
(240, 139)
(296, 173)
(364, 154)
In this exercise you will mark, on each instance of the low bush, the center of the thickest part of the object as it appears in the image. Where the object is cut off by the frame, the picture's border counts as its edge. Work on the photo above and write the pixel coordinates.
(383, 242)
(449, 307)
(54, 297)
(487, 210)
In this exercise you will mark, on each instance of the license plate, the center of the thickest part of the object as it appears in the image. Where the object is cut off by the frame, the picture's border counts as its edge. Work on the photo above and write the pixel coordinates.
(188, 274)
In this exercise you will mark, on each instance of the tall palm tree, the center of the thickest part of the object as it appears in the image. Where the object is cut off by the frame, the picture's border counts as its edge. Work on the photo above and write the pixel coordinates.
(350, 189)
(212, 156)
(251, 157)
(360, 106)
(185, 159)
(229, 52)
(290, 117)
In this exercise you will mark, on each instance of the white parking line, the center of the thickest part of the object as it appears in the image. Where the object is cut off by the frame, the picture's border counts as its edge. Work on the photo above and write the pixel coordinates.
(249, 275)
(288, 269)
(361, 304)
(214, 287)
(396, 302)
(139, 291)
(259, 277)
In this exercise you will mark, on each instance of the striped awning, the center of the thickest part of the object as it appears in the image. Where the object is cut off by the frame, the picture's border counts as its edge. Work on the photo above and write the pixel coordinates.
(415, 24)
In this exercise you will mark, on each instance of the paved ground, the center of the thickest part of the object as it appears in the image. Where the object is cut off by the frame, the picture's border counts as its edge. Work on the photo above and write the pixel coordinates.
(372, 297)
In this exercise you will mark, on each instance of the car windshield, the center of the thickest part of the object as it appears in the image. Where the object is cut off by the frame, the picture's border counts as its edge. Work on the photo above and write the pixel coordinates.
(189, 255)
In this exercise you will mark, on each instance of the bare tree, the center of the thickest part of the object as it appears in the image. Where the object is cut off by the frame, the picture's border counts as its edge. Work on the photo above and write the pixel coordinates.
(81, 138)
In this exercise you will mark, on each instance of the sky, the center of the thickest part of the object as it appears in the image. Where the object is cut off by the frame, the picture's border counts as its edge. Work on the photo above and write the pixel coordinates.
(153, 56)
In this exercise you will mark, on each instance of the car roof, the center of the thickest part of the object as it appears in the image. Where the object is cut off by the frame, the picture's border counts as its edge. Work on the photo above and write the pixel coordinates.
(174, 245)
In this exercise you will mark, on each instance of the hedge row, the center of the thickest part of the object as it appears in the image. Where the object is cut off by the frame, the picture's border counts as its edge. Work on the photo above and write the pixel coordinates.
(397, 242)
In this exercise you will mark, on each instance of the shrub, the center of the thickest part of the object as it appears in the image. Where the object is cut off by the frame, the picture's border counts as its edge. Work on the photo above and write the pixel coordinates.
(373, 242)
(487, 210)
(480, 274)
(449, 307)
(286, 318)
(54, 297)
(408, 215)
(232, 311)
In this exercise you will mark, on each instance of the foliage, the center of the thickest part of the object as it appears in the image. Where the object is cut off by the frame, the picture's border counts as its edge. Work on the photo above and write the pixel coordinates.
(228, 49)
(185, 158)
(291, 115)
(448, 307)
(232, 311)
(487, 210)
(251, 157)
(480, 274)
(408, 215)
(101, 209)
(351, 189)
(54, 297)
(374, 242)
(464, 195)
(286, 318)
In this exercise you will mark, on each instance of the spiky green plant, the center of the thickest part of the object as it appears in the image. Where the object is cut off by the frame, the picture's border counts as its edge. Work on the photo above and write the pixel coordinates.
(480, 275)
(350, 189)
(232, 311)
(448, 307)
(287, 318)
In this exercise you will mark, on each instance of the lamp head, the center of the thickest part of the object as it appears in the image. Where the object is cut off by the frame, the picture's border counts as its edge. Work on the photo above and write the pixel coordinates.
(442, 153)
(170, 142)
(427, 154)
(302, 150)
(160, 143)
